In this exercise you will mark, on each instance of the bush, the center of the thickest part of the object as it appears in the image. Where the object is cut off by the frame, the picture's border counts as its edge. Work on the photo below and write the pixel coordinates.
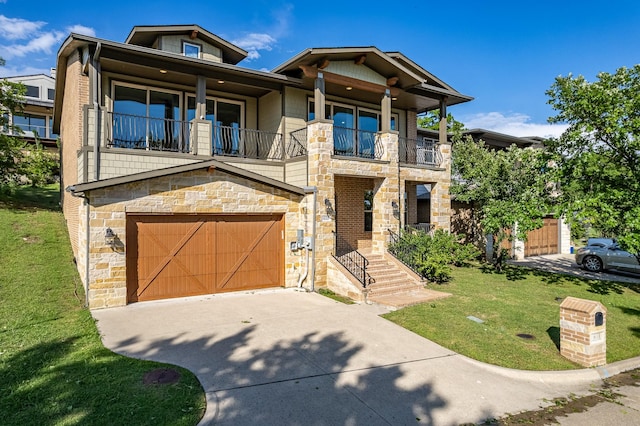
(431, 255)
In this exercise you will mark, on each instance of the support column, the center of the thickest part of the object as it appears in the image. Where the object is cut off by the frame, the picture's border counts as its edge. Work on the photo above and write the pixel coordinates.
(440, 206)
(385, 108)
(443, 120)
(319, 98)
(319, 149)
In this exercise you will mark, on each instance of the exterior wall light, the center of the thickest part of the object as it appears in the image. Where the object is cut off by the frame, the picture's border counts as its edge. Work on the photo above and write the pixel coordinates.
(329, 208)
(110, 237)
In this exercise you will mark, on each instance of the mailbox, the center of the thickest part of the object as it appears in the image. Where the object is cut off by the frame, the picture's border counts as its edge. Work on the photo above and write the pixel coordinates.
(583, 333)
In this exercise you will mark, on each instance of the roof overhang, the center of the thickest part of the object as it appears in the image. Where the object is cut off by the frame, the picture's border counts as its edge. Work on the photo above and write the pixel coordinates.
(412, 86)
(84, 188)
(153, 64)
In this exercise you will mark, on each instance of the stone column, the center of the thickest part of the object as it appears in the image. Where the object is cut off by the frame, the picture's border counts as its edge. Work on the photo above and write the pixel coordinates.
(319, 149)
(386, 200)
(440, 206)
(201, 131)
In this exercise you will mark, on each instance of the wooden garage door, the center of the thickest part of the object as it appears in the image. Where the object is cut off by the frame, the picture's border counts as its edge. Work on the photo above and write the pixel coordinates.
(544, 240)
(175, 256)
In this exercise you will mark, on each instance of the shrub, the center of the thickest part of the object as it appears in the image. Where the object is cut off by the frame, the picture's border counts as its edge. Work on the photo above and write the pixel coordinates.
(431, 255)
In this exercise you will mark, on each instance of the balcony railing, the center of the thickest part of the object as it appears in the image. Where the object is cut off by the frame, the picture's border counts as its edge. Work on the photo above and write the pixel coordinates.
(149, 133)
(297, 146)
(423, 152)
(356, 143)
(247, 143)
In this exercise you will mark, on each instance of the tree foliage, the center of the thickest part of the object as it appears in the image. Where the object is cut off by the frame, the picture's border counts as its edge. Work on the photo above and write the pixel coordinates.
(431, 120)
(504, 186)
(11, 96)
(598, 156)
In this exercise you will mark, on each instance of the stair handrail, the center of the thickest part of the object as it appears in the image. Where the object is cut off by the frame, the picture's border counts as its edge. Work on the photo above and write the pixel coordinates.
(403, 254)
(352, 260)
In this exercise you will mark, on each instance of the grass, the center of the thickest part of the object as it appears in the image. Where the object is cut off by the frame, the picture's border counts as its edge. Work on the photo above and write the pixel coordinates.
(524, 301)
(54, 369)
(331, 295)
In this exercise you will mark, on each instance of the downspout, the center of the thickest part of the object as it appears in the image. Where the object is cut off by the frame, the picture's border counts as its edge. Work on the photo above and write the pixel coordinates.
(96, 108)
(312, 190)
(71, 190)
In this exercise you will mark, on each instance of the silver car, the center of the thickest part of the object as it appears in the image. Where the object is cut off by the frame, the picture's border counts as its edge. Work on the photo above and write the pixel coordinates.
(605, 253)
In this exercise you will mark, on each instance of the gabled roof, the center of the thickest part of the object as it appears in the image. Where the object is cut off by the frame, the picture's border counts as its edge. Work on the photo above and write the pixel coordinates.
(400, 72)
(146, 35)
(215, 164)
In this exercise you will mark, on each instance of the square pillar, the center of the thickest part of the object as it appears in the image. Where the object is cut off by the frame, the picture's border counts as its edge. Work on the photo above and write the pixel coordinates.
(200, 137)
(386, 201)
(440, 206)
(319, 149)
(583, 331)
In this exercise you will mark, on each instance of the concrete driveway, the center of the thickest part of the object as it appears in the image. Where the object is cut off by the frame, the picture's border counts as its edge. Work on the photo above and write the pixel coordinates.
(288, 357)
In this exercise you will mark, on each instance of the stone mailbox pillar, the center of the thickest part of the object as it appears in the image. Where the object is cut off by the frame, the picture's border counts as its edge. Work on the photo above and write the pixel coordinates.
(583, 337)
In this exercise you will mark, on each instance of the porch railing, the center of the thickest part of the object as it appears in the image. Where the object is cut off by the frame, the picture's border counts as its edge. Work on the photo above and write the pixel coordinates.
(156, 134)
(247, 143)
(403, 251)
(422, 152)
(352, 260)
(297, 146)
(356, 143)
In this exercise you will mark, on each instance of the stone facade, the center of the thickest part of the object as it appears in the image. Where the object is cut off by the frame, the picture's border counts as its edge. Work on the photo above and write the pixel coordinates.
(197, 192)
(583, 331)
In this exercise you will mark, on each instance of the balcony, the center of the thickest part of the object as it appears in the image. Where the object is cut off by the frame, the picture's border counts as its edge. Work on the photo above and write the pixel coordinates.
(164, 134)
(420, 152)
(356, 143)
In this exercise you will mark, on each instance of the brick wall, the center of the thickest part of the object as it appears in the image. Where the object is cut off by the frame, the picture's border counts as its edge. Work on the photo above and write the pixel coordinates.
(76, 94)
(350, 210)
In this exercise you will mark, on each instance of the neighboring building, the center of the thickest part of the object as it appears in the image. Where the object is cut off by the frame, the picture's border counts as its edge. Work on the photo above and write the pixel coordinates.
(187, 174)
(36, 118)
(554, 237)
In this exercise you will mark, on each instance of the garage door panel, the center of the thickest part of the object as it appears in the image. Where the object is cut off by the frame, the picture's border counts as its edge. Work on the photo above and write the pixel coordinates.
(174, 256)
(544, 240)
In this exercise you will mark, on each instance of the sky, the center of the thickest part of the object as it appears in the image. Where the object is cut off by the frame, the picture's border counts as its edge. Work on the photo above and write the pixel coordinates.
(505, 54)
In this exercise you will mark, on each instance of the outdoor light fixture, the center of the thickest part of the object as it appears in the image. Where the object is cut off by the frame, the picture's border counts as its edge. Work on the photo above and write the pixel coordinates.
(329, 208)
(110, 237)
(396, 209)
(163, 71)
(349, 88)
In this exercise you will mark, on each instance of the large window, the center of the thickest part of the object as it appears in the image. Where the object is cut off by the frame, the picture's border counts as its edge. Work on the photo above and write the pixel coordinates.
(32, 91)
(147, 118)
(31, 125)
(226, 116)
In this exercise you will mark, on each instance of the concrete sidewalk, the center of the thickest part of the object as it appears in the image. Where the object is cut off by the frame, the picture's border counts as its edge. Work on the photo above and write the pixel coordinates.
(287, 357)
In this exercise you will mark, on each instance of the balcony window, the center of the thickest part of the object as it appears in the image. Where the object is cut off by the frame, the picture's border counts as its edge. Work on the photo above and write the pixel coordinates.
(227, 118)
(31, 125)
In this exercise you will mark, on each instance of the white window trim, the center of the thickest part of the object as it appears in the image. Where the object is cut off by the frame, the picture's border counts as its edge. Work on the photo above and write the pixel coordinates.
(216, 99)
(197, 46)
(115, 83)
(356, 109)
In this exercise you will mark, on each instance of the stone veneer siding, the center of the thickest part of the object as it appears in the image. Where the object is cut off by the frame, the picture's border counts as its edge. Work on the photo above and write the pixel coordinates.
(204, 192)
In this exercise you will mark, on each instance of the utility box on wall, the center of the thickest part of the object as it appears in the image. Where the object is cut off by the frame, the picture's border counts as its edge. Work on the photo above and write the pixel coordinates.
(583, 333)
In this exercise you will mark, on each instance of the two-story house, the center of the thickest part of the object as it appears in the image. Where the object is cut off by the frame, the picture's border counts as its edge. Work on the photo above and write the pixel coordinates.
(186, 174)
(36, 117)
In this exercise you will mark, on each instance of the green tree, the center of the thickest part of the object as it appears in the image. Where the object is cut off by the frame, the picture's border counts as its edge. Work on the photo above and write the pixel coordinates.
(598, 156)
(506, 187)
(11, 154)
(431, 120)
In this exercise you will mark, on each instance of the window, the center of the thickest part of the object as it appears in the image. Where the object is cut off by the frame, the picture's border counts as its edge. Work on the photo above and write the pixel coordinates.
(31, 125)
(147, 118)
(368, 210)
(32, 91)
(227, 118)
(51, 94)
(191, 50)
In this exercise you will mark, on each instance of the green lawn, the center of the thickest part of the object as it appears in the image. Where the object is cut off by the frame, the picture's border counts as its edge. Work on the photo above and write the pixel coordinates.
(521, 301)
(53, 367)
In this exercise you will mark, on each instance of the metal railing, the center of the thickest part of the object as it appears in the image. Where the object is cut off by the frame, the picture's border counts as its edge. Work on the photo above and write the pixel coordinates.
(424, 152)
(403, 251)
(352, 260)
(297, 146)
(356, 143)
(156, 134)
(247, 143)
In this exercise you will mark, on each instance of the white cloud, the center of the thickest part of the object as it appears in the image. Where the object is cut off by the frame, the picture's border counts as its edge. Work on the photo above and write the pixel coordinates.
(28, 70)
(515, 124)
(16, 28)
(81, 29)
(43, 43)
(254, 42)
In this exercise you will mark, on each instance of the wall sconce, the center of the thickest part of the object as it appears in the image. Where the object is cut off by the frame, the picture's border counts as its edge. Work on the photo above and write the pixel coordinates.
(329, 208)
(110, 237)
(396, 209)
